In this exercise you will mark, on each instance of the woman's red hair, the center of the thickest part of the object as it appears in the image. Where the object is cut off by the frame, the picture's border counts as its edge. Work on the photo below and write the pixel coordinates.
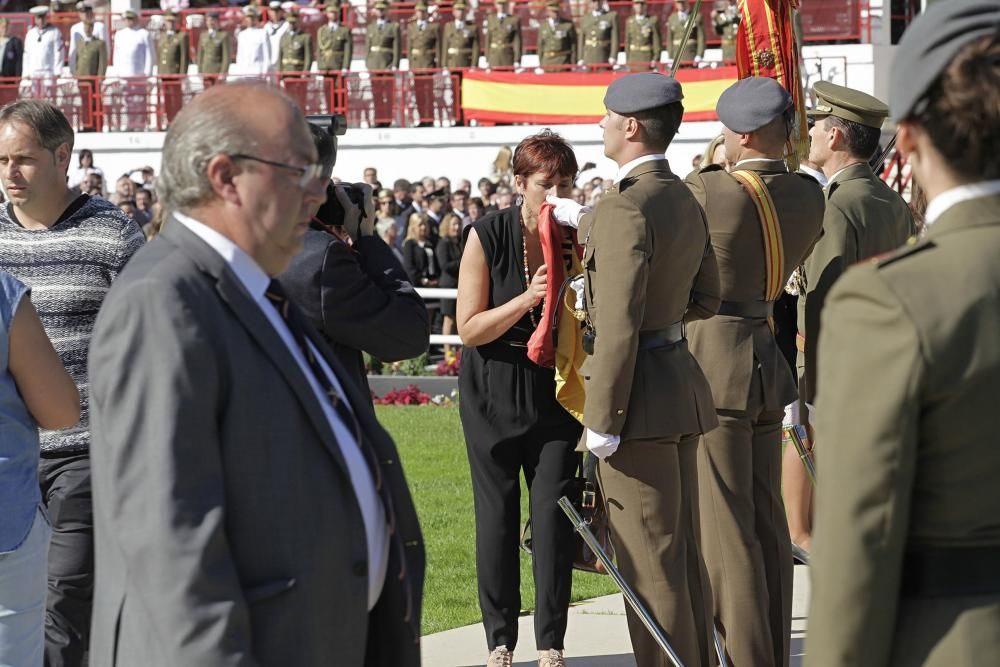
(545, 152)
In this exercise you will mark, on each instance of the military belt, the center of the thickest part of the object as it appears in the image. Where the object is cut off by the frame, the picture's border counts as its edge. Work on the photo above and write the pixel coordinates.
(951, 571)
(376, 49)
(508, 47)
(640, 48)
(452, 51)
(750, 310)
(651, 340)
(597, 42)
(556, 53)
(331, 53)
(420, 52)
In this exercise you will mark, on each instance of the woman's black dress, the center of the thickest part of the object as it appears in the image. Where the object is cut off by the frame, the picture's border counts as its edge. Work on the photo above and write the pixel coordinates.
(512, 422)
(449, 258)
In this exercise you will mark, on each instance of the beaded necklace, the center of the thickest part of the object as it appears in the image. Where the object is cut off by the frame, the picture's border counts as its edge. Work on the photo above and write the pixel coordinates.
(527, 276)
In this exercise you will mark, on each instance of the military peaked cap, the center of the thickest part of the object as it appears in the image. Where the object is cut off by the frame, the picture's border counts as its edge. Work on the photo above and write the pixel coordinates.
(849, 104)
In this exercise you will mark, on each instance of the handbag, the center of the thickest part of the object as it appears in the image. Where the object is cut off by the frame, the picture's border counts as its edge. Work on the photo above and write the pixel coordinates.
(585, 494)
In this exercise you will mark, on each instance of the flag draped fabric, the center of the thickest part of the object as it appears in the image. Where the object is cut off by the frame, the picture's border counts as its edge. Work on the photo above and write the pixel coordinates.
(558, 340)
(766, 46)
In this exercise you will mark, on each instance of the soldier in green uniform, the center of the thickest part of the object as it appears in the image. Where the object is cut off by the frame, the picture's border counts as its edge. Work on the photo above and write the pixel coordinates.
(726, 22)
(649, 267)
(382, 48)
(556, 39)
(460, 41)
(907, 543)
(381, 40)
(423, 48)
(864, 216)
(423, 40)
(333, 41)
(643, 43)
(598, 36)
(694, 48)
(213, 47)
(503, 37)
(91, 52)
(173, 47)
(172, 51)
(744, 534)
(295, 49)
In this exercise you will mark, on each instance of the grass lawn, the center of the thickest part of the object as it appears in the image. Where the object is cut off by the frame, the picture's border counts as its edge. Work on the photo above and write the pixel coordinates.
(432, 448)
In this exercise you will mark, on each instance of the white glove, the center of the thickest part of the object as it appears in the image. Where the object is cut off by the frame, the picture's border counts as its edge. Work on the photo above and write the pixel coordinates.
(697, 59)
(602, 445)
(577, 285)
(567, 211)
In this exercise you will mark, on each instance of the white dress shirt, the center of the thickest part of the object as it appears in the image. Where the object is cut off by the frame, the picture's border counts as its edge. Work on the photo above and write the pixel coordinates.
(43, 52)
(815, 173)
(253, 52)
(255, 281)
(275, 31)
(133, 52)
(949, 198)
(76, 35)
(632, 164)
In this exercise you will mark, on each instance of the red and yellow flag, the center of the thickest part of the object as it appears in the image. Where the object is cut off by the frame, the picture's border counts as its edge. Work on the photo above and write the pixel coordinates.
(766, 46)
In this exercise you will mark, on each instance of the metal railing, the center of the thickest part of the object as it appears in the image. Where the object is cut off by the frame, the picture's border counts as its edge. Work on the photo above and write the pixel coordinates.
(440, 293)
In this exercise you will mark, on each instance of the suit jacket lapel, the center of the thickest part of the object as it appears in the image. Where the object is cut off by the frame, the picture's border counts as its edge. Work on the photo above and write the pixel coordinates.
(252, 318)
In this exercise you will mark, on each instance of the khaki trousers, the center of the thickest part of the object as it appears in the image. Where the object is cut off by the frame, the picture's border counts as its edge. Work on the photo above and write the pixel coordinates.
(744, 534)
(650, 487)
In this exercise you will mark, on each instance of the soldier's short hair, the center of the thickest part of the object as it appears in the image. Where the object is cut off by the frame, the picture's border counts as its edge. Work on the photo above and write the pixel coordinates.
(659, 124)
(962, 117)
(861, 140)
(50, 126)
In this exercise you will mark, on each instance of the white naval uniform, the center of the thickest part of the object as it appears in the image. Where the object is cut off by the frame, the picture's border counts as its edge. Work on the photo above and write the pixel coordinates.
(76, 35)
(253, 52)
(43, 52)
(133, 52)
(275, 31)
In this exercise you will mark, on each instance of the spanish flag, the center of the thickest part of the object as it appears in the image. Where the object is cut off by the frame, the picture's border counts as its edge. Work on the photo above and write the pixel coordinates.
(766, 46)
(574, 97)
(558, 340)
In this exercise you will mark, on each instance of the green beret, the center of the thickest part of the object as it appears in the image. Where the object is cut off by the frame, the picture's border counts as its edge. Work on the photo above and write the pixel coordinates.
(930, 43)
(751, 103)
(638, 92)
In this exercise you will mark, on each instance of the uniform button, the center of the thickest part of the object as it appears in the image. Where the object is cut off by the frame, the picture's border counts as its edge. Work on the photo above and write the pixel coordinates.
(360, 568)
(621, 412)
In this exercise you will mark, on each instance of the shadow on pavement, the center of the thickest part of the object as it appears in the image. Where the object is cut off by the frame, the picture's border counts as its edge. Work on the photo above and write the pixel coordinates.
(624, 660)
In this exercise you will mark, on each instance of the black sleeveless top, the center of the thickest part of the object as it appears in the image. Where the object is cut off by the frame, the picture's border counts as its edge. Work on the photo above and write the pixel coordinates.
(504, 394)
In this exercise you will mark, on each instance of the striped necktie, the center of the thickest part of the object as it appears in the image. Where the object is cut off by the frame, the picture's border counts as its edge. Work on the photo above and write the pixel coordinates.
(292, 316)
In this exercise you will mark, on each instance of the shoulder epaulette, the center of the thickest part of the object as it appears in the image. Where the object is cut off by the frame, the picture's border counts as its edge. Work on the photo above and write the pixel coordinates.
(710, 168)
(913, 246)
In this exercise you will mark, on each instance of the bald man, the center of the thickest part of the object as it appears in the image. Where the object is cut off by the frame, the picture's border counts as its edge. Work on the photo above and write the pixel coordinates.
(264, 536)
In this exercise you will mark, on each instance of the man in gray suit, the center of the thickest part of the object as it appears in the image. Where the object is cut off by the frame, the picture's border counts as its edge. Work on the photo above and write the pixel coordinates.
(249, 510)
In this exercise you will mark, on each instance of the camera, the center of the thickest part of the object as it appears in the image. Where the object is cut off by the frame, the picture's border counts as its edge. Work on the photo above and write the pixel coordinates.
(331, 213)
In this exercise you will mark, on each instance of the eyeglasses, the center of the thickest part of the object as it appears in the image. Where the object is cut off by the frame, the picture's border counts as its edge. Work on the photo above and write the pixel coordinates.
(308, 174)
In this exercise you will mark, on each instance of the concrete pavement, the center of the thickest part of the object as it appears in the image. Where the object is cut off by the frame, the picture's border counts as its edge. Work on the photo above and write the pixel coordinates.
(597, 635)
